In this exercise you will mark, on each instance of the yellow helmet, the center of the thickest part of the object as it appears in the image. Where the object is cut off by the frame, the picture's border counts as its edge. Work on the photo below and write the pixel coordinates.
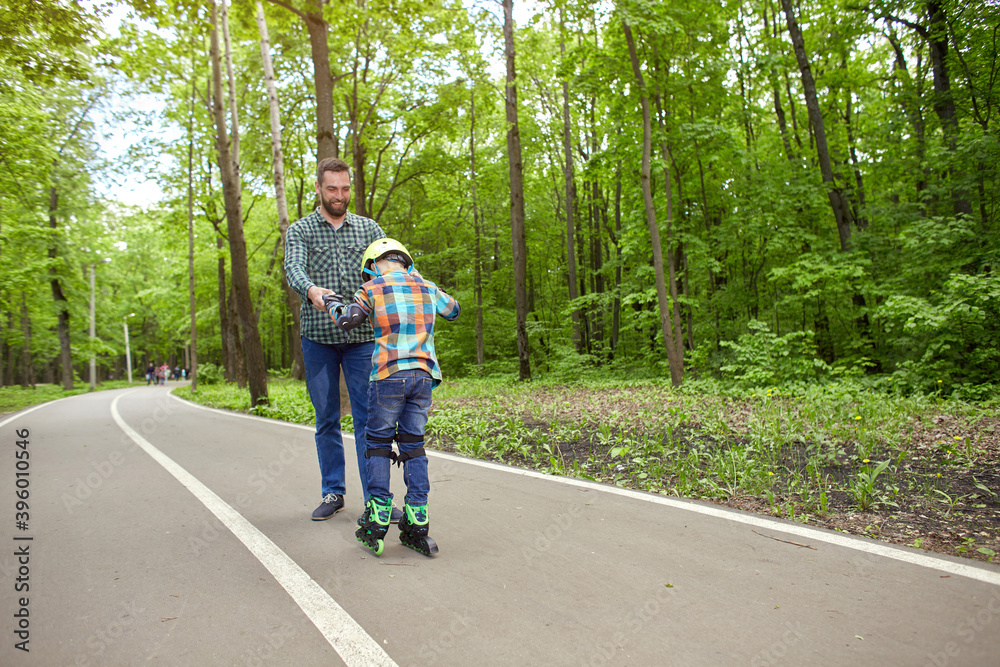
(379, 250)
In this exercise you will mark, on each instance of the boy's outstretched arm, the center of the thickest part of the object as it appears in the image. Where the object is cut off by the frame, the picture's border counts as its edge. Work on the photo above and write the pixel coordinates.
(447, 307)
(347, 316)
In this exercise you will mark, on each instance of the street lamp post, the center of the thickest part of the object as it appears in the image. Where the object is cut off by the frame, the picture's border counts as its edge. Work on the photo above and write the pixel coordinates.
(128, 352)
(93, 334)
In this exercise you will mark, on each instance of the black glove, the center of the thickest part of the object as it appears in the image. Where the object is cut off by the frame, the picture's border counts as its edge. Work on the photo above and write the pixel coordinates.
(333, 302)
(349, 316)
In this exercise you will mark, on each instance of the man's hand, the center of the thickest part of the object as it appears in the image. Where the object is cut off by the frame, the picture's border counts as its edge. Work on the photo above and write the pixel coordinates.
(315, 295)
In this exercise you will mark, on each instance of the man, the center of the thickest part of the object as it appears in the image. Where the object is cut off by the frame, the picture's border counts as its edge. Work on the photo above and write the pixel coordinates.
(323, 254)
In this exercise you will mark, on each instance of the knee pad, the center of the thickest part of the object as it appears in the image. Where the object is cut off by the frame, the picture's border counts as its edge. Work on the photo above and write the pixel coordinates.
(416, 452)
(379, 447)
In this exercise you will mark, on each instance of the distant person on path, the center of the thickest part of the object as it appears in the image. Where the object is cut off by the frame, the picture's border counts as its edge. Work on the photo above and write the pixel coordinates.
(322, 254)
(402, 307)
(150, 373)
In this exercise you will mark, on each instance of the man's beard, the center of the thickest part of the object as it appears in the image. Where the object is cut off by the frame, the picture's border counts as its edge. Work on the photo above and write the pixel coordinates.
(335, 210)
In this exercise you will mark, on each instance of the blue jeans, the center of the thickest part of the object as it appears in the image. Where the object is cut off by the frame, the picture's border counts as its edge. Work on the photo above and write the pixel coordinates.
(323, 363)
(397, 408)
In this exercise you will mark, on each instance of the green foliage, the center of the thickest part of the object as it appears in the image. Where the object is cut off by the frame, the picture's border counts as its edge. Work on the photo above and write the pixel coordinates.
(750, 229)
(761, 359)
(863, 487)
(13, 399)
(951, 338)
(209, 374)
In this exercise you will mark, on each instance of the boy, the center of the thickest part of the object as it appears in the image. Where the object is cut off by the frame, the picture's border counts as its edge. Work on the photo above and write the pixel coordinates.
(401, 306)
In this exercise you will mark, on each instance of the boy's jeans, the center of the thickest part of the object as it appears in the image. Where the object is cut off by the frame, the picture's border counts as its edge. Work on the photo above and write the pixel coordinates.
(404, 399)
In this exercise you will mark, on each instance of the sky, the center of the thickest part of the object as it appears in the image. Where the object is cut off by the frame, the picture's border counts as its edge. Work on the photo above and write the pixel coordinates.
(115, 137)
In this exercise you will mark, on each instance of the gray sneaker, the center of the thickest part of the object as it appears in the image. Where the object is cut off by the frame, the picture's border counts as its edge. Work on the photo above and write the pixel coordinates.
(332, 503)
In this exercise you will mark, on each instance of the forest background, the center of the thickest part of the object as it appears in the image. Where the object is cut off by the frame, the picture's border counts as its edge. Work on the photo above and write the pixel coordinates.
(821, 210)
(729, 197)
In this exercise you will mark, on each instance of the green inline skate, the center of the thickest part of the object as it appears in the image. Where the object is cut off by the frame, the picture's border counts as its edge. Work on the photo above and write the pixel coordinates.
(413, 529)
(373, 526)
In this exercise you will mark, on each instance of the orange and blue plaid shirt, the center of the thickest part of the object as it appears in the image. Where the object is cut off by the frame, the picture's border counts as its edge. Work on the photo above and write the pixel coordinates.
(402, 308)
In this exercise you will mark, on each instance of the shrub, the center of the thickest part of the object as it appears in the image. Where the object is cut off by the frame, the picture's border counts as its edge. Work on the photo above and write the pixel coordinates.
(209, 373)
(761, 359)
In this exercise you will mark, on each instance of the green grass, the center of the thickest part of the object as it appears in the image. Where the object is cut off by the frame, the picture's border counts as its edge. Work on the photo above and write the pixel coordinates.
(13, 399)
(289, 399)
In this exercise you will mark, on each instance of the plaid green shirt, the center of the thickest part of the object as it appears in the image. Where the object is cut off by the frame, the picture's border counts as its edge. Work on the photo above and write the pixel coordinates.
(316, 254)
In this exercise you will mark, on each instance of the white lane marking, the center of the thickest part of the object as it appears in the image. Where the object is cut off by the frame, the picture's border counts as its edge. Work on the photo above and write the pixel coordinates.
(818, 534)
(18, 415)
(347, 638)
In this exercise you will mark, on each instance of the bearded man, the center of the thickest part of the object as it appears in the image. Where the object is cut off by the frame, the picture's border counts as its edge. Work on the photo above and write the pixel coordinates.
(323, 253)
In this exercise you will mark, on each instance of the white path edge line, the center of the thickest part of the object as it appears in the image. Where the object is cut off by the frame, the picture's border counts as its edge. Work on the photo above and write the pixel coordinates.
(345, 635)
(18, 415)
(817, 534)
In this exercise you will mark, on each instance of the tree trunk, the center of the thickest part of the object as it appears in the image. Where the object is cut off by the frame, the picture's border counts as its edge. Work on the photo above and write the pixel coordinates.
(779, 111)
(61, 303)
(358, 149)
(570, 199)
(859, 183)
(909, 101)
(519, 246)
(676, 364)
(192, 365)
(291, 298)
(250, 337)
(598, 213)
(839, 202)
(944, 102)
(327, 143)
(478, 259)
(597, 261)
(616, 239)
(678, 336)
(225, 324)
(92, 334)
(235, 342)
(27, 364)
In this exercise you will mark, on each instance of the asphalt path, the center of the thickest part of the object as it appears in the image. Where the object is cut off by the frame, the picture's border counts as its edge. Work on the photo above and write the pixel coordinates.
(161, 532)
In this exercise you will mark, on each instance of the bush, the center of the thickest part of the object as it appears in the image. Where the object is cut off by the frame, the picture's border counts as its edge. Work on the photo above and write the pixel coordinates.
(761, 359)
(209, 373)
(951, 338)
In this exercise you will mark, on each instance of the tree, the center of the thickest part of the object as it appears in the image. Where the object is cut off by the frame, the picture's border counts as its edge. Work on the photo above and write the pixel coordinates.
(839, 202)
(570, 198)
(672, 345)
(327, 141)
(292, 299)
(520, 250)
(254, 354)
